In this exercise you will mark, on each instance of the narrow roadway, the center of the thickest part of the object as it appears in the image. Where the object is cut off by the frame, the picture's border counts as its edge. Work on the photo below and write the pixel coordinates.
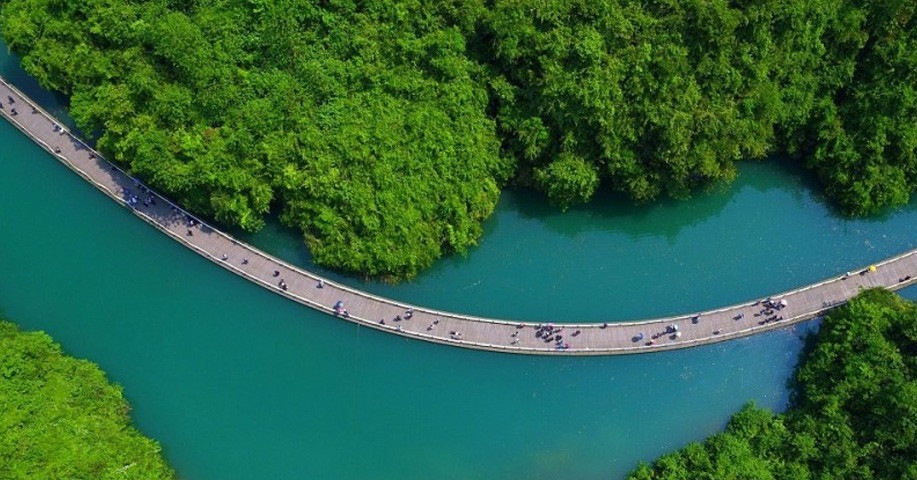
(431, 325)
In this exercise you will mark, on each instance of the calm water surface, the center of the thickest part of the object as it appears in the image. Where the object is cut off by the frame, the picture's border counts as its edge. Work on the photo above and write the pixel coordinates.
(237, 383)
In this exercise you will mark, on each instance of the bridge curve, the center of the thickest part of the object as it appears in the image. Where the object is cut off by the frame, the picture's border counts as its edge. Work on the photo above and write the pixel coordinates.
(432, 325)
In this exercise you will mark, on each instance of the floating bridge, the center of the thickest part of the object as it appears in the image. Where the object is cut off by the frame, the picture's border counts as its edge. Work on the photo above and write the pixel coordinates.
(413, 321)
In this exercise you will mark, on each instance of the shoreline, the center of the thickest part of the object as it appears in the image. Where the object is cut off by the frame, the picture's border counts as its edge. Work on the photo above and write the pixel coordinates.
(431, 325)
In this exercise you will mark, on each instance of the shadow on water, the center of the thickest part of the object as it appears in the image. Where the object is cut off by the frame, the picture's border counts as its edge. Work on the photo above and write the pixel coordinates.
(608, 213)
(667, 217)
(613, 212)
(809, 339)
(810, 188)
(55, 103)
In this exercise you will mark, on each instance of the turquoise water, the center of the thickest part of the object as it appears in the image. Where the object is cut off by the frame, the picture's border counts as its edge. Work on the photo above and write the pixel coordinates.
(770, 231)
(237, 383)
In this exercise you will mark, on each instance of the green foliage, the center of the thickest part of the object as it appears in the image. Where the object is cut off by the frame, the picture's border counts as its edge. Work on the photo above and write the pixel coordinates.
(854, 413)
(569, 180)
(663, 97)
(364, 124)
(384, 129)
(60, 418)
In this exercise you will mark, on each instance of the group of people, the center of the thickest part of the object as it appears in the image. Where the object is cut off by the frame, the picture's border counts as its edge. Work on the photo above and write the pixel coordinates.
(669, 330)
(770, 306)
(772, 318)
(190, 222)
(134, 199)
(548, 333)
(409, 313)
(407, 316)
(776, 305)
(11, 101)
(339, 308)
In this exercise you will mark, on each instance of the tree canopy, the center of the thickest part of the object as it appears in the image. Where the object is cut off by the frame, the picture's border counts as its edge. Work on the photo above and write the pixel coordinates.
(853, 413)
(662, 97)
(364, 124)
(60, 418)
(384, 129)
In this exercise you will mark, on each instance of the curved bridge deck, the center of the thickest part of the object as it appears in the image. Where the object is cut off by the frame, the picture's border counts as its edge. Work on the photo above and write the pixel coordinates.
(432, 325)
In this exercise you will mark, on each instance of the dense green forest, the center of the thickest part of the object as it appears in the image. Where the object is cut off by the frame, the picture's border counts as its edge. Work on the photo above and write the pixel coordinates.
(385, 129)
(853, 413)
(61, 419)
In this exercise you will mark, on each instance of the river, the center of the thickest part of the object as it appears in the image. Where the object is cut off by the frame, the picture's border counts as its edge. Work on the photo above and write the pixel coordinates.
(238, 383)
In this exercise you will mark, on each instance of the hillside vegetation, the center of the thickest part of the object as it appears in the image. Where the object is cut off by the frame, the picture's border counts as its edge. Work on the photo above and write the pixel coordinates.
(853, 415)
(61, 419)
(385, 129)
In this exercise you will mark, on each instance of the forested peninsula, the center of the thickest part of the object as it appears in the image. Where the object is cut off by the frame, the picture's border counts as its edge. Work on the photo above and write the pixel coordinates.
(385, 129)
(853, 411)
(61, 419)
